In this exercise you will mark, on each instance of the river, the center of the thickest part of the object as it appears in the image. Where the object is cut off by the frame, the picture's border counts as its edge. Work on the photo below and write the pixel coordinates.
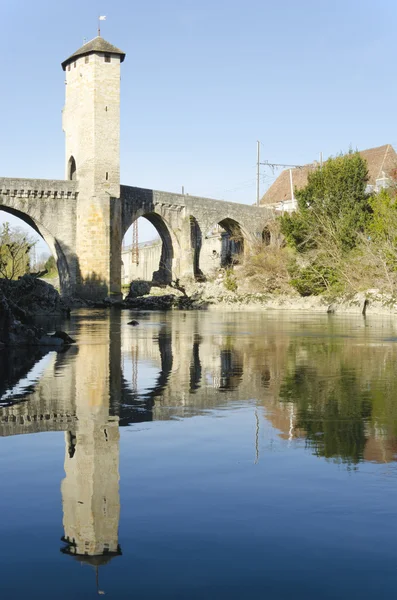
(201, 455)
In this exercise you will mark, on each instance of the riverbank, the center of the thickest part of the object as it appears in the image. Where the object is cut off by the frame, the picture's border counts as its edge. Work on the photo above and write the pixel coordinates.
(21, 301)
(214, 296)
(368, 302)
(30, 297)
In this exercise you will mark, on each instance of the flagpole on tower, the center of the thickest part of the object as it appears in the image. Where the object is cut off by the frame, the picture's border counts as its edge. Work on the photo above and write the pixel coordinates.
(100, 18)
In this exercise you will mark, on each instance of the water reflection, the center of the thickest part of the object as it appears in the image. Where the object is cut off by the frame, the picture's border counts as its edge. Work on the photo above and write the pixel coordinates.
(344, 399)
(335, 389)
(90, 490)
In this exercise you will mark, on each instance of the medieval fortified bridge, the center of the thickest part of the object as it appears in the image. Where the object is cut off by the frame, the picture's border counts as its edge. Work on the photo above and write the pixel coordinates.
(84, 218)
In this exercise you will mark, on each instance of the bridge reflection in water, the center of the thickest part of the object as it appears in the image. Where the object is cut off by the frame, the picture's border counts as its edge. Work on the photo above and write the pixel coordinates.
(332, 395)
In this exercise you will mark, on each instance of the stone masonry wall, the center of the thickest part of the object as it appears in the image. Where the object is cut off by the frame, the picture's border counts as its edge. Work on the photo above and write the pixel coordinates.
(49, 206)
(91, 121)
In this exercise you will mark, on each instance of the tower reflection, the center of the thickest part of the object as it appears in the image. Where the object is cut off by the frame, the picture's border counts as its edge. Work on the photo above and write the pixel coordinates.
(90, 490)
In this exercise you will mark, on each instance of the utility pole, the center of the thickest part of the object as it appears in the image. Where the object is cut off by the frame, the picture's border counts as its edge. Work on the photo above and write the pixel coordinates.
(292, 187)
(258, 144)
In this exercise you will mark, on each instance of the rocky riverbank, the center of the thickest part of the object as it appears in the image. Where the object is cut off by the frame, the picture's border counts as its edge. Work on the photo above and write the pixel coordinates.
(210, 296)
(214, 296)
(22, 300)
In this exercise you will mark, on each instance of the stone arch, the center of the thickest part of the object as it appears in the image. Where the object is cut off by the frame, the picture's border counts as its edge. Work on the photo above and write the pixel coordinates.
(231, 242)
(72, 170)
(165, 271)
(167, 267)
(52, 243)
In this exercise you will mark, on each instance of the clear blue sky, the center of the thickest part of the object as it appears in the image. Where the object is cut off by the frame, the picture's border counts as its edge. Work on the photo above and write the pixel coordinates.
(202, 81)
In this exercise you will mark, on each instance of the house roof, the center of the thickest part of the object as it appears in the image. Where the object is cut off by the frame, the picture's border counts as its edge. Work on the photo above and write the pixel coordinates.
(98, 44)
(382, 159)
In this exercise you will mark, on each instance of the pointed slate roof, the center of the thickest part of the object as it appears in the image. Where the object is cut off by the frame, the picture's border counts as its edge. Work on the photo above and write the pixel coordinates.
(98, 44)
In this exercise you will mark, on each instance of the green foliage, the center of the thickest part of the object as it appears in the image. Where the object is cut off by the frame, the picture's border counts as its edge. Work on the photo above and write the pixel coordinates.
(294, 226)
(230, 281)
(313, 280)
(14, 252)
(383, 223)
(334, 196)
(50, 265)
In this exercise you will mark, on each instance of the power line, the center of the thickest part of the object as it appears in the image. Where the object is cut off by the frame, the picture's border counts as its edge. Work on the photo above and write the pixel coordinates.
(272, 166)
(284, 166)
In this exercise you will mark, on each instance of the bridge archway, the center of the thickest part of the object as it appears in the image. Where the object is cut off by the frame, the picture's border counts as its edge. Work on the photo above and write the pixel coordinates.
(152, 261)
(50, 240)
(222, 246)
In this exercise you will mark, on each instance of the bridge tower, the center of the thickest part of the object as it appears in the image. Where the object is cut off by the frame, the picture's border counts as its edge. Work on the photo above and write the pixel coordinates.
(91, 122)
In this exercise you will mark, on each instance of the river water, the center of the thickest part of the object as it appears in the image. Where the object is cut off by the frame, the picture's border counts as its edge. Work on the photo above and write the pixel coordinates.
(201, 455)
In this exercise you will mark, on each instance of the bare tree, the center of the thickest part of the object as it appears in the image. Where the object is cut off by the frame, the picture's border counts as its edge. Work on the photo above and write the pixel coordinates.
(15, 246)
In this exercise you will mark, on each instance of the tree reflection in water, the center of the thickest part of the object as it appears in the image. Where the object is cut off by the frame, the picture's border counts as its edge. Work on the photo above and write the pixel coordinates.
(344, 400)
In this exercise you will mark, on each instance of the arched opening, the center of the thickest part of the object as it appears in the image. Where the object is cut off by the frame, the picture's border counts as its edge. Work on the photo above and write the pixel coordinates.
(147, 252)
(222, 247)
(44, 253)
(266, 236)
(72, 169)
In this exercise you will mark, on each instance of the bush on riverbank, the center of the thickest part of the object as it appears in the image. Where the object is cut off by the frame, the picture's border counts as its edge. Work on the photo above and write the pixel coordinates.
(341, 239)
(266, 269)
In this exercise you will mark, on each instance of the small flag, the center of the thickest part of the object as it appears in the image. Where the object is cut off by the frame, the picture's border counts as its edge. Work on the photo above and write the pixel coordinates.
(103, 18)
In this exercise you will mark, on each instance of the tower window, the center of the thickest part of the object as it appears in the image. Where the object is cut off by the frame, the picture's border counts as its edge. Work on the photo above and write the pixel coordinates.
(107, 57)
(72, 169)
(74, 64)
(107, 176)
(87, 59)
(69, 67)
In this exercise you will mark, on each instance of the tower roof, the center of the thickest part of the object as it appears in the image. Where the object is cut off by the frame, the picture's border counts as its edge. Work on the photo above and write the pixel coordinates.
(98, 44)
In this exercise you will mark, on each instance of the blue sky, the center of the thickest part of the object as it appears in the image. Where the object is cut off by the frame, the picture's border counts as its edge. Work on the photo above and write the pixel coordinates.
(202, 81)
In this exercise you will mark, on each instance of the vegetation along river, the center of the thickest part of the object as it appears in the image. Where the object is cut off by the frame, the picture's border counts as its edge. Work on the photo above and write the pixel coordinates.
(201, 455)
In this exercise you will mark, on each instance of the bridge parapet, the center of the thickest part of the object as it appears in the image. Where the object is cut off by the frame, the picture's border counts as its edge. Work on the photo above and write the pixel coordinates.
(206, 211)
(144, 196)
(22, 424)
(38, 188)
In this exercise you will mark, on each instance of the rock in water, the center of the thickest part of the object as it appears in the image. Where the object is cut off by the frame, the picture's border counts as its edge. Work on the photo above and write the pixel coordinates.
(139, 288)
(12, 331)
(64, 337)
(133, 323)
(33, 296)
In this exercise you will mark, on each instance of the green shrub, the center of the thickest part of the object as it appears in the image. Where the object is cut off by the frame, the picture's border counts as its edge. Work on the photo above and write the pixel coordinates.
(50, 265)
(313, 280)
(230, 281)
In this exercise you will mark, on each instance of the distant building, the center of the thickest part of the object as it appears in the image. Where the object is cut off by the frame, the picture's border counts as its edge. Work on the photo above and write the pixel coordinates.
(382, 168)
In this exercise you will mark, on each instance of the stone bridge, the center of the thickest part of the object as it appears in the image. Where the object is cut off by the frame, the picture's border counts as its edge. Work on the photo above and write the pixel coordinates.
(50, 207)
(83, 219)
